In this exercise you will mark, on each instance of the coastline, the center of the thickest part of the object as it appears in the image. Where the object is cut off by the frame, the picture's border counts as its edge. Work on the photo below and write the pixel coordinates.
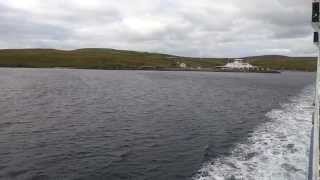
(110, 59)
(158, 69)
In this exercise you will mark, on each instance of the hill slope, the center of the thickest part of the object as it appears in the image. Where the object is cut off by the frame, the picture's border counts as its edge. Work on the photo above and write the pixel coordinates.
(120, 59)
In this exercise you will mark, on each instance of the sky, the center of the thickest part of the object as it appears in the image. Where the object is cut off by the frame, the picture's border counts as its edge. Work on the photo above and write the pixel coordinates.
(198, 28)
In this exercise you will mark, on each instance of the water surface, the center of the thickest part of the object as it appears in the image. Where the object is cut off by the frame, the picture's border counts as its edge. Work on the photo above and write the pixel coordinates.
(90, 124)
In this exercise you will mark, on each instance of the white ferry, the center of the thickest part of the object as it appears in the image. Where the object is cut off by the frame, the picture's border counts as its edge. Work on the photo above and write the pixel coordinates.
(240, 65)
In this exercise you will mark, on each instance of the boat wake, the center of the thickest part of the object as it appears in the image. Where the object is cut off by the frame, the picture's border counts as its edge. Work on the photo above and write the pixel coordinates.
(276, 150)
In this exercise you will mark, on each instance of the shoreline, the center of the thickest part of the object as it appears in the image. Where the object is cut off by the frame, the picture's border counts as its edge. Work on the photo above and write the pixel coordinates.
(110, 59)
(160, 69)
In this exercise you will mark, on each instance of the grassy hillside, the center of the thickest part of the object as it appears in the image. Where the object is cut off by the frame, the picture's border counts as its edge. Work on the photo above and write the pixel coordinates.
(285, 63)
(120, 59)
(94, 59)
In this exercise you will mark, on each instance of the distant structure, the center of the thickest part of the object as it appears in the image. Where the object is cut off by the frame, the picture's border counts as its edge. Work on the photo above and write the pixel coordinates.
(238, 64)
(182, 65)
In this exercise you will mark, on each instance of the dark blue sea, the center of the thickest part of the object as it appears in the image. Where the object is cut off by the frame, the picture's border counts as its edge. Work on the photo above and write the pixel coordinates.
(140, 125)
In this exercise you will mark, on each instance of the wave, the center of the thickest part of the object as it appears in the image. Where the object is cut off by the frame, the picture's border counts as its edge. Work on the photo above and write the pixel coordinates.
(276, 150)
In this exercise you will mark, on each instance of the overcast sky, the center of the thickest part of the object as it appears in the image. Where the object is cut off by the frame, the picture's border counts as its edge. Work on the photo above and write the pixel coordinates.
(215, 28)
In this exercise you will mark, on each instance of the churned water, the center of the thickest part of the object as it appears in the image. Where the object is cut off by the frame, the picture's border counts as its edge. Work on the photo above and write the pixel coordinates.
(277, 150)
(87, 124)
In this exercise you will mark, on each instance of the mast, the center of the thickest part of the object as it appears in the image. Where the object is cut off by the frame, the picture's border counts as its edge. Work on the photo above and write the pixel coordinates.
(314, 150)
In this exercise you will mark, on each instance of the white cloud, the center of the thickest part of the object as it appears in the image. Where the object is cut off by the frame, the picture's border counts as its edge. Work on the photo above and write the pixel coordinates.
(190, 28)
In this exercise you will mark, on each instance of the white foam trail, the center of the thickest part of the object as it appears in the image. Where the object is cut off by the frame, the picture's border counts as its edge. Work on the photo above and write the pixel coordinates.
(277, 150)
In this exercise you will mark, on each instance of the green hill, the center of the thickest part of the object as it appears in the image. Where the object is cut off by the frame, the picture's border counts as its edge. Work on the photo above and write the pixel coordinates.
(285, 63)
(120, 59)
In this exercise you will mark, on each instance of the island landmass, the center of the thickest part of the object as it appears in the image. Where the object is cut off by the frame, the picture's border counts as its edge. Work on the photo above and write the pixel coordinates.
(111, 59)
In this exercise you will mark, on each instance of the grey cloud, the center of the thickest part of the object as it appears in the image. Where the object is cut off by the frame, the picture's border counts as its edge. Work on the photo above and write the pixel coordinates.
(19, 28)
(190, 28)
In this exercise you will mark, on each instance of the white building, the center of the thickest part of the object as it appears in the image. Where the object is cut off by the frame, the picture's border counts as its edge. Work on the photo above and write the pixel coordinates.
(182, 65)
(237, 64)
